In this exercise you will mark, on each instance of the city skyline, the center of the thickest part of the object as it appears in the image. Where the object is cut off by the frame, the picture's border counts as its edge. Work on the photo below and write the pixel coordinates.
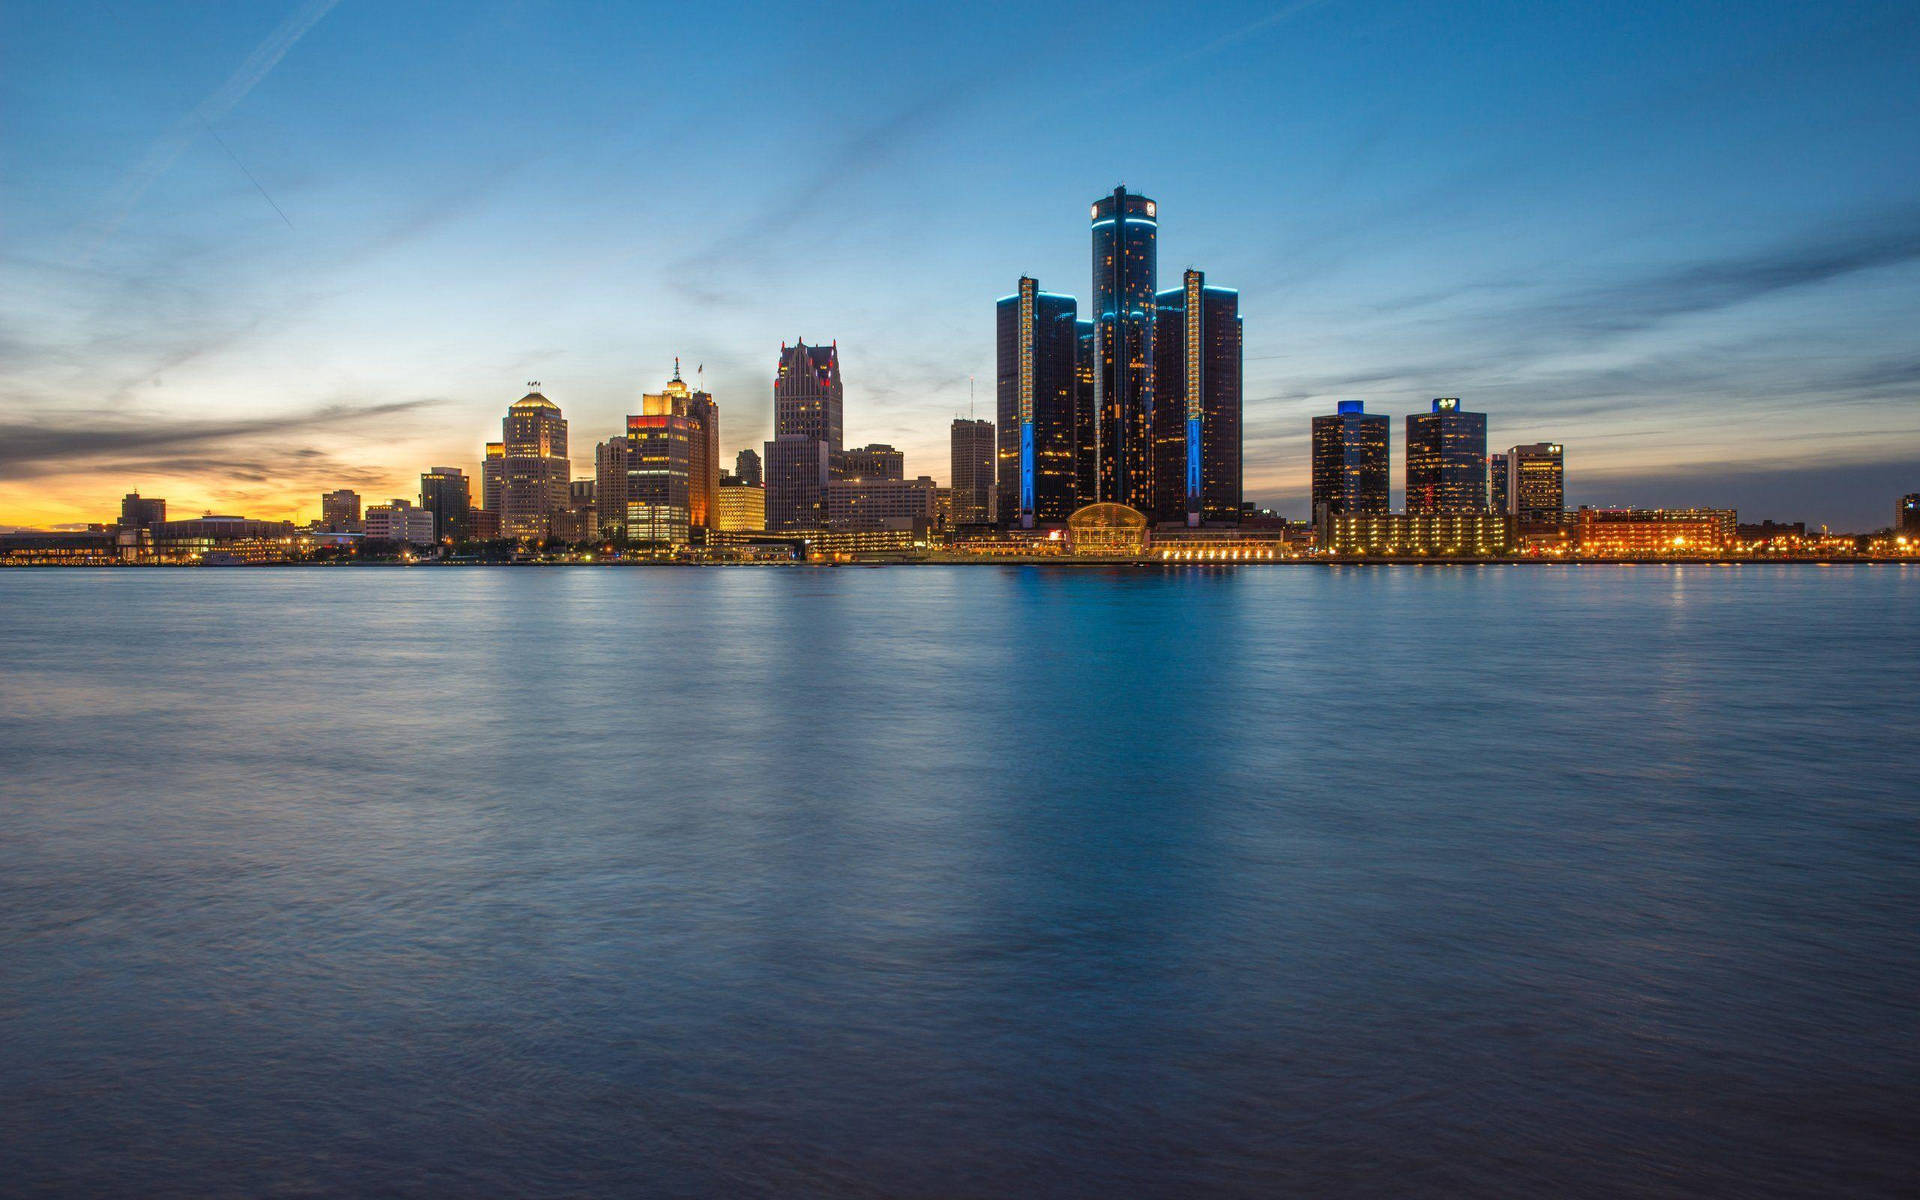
(233, 283)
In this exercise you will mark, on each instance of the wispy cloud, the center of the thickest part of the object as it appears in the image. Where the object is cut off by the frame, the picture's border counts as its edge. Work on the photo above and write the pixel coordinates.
(167, 148)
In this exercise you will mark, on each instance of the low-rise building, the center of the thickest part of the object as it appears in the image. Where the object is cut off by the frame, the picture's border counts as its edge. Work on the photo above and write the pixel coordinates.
(913, 504)
(1415, 535)
(399, 522)
(1631, 531)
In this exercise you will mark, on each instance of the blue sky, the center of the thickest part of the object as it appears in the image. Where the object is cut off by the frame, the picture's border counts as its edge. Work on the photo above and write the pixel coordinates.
(255, 251)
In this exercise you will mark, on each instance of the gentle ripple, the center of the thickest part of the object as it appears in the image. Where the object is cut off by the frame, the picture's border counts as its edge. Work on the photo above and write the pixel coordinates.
(960, 882)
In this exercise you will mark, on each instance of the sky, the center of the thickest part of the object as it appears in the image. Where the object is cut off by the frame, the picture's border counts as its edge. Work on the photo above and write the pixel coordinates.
(251, 252)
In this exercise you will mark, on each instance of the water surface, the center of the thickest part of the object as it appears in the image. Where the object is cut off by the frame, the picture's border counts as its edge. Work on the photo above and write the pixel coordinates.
(960, 882)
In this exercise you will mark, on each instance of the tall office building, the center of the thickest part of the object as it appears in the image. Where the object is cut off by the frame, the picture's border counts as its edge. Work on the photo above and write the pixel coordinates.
(1196, 428)
(798, 469)
(493, 477)
(1125, 233)
(340, 511)
(444, 493)
(704, 441)
(1906, 514)
(139, 513)
(660, 472)
(807, 399)
(534, 470)
(972, 467)
(1086, 445)
(807, 394)
(610, 460)
(1446, 459)
(1350, 467)
(874, 461)
(1536, 485)
(1035, 397)
(746, 468)
(1497, 482)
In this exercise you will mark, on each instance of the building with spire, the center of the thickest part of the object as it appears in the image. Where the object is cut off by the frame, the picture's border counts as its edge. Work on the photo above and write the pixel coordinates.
(703, 472)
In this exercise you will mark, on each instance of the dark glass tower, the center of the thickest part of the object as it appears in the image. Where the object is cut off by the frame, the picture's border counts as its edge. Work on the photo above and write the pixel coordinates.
(1196, 436)
(1446, 461)
(1350, 471)
(1086, 428)
(1125, 234)
(1035, 387)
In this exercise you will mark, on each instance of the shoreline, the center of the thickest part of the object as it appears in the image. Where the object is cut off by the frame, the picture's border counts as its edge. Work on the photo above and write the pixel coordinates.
(1062, 561)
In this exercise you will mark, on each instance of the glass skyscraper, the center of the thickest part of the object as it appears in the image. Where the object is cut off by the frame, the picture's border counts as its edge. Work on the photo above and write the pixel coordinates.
(1446, 460)
(1196, 429)
(1036, 340)
(1125, 256)
(1350, 468)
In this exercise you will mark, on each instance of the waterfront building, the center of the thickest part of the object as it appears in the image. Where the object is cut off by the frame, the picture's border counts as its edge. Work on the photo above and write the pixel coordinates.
(396, 521)
(1350, 461)
(535, 471)
(1427, 534)
(660, 473)
(444, 493)
(611, 459)
(1125, 229)
(1036, 341)
(746, 467)
(1628, 531)
(1497, 482)
(493, 477)
(485, 525)
(883, 504)
(971, 465)
(875, 461)
(1106, 529)
(1906, 514)
(1197, 398)
(137, 512)
(1536, 486)
(340, 511)
(1446, 459)
(741, 507)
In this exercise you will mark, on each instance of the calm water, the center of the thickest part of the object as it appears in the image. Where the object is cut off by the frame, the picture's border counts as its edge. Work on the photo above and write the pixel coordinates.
(960, 882)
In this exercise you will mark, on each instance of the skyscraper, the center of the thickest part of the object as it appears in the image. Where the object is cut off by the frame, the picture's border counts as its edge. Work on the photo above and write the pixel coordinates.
(1125, 232)
(746, 466)
(1497, 482)
(493, 478)
(610, 460)
(1536, 485)
(444, 493)
(1350, 468)
(704, 442)
(1086, 426)
(972, 467)
(1196, 435)
(797, 475)
(807, 398)
(1035, 396)
(807, 394)
(660, 472)
(340, 511)
(1906, 514)
(1446, 459)
(534, 470)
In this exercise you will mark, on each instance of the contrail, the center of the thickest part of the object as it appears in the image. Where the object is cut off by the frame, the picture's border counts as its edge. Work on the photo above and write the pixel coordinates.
(249, 174)
(167, 148)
